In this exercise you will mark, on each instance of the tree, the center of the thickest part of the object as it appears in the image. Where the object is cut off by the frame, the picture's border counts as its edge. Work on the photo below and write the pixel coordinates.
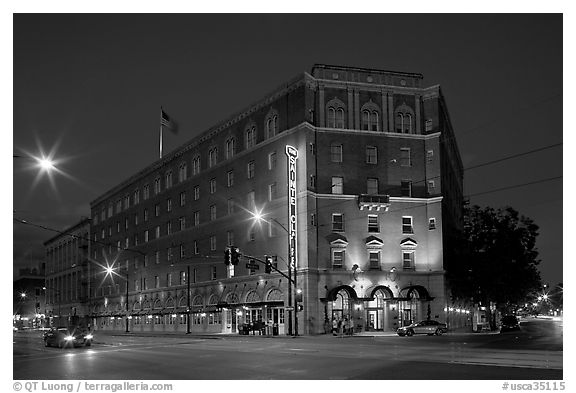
(499, 258)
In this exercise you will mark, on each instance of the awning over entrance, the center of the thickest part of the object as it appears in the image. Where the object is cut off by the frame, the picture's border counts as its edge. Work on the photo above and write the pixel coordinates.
(415, 292)
(331, 295)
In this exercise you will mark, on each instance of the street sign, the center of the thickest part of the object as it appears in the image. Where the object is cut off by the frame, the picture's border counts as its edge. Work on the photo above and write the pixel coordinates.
(252, 266)
(289, 308)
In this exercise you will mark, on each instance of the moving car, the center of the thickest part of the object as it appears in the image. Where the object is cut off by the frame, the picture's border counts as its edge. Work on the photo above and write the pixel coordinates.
(428, 327)
(509, 323)
(68, 336)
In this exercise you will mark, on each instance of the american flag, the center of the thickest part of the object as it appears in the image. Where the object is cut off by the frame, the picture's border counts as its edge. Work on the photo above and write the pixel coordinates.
(166, 122)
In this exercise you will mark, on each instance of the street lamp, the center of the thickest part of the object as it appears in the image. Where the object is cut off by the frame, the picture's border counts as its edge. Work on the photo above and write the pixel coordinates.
(257, 215)
(109, 271)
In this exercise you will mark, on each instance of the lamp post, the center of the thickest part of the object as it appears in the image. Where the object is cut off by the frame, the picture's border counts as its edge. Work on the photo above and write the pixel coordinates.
(258, 217)
(110, 271)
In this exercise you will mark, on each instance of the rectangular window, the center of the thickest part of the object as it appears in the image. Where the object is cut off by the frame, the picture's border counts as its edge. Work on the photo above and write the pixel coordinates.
(371, 155)
(428, 125)
(145, 215)
(373, 225)
(214, 273)
(212, 157)
(183, 198)
(337, 185)
(374, 257)
(196, 193)
(431, 187)
(407, 227)
(251, 236)
(312, 181)
(212, 243)
(272, 160)
(145, 260)
(156, 210)
(336, 153)
(136, 219)
(136, 285)
(182, 251)
(182, 278)
(372, 186)
(136, 198)
(230, 178)
(251, 200)
(157, 232)
(430, 155)
(250, 170)
(408, 260)
(169, 205)
(196, 165)
(145, 283)
(196, 219)
(182, 223)
(169, 179)
(337, 257)
(196, 249)
(212, 212)
(431, 223)
(405, 157)
(119, 206)
(157, 257)
(157, 186)
(337, 222)
(146, 191)
(230, 205)
(170, 254)
(146, 238)
(272, 192)
(406, 188)
(272, 230)
(156, 282)
(194, 275)
(126, 202)
(230, 238)
(212, 186)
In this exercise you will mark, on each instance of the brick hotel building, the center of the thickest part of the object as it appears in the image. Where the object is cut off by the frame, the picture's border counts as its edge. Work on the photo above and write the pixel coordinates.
(379, 184)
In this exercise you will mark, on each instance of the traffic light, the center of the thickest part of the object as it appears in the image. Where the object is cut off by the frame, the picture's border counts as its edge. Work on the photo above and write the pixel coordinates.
(298, 297)
(234, 255)
(299, 307)
(227, 257)
(268, 267)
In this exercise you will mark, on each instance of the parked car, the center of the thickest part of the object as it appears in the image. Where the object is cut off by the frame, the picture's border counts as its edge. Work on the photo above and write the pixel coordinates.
(509, 323)
(68, 336)
(428, 327)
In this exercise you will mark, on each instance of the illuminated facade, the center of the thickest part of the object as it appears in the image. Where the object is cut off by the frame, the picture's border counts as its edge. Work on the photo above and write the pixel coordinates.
(378, 195)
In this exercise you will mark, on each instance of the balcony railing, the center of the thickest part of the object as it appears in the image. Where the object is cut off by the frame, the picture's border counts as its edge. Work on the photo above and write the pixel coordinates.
(374, 202)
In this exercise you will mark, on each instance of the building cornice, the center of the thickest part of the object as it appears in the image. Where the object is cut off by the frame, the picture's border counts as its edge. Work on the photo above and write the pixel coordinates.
(377, 133)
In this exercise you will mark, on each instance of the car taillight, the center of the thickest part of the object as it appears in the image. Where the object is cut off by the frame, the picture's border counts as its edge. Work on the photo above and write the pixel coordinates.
(89, 337)
(69, 338)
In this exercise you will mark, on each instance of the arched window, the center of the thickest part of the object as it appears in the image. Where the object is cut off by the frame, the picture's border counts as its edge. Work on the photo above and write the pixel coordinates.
(271, 124)
(182, 172)
(230, 148)
(196, 165)
(336, 114)
(370, 116)
(404, 120)
(250, 136)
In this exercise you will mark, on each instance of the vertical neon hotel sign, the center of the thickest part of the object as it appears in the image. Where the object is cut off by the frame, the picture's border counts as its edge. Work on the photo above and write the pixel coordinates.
(292, 154)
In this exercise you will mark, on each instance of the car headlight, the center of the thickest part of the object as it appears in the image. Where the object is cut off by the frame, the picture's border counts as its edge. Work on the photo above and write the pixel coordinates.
(69, 338)
(89, 337)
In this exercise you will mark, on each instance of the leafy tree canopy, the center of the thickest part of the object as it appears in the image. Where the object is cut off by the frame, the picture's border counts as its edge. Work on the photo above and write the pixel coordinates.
(499, 259)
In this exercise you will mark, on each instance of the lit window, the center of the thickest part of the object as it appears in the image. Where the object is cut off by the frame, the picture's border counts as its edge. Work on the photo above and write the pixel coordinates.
(337, 185)
(431, 223)
(212, 186)
(157, 232)
(146, 238)
(374, 258)
(182, 278)
(407, 227)
(337, 222)
(408, 260)
(337, 257)
(169, 279)
(156, 210)
(373, 225)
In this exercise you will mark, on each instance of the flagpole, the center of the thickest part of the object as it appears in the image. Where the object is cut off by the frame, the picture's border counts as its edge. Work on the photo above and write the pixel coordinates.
(160, 132)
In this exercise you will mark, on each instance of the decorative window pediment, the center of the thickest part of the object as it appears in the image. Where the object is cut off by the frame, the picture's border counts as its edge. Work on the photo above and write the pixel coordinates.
(337, 240)
(408, 243)
(373, 241)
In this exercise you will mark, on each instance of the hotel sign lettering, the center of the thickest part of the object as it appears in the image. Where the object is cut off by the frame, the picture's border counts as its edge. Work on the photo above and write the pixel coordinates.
(292, 154)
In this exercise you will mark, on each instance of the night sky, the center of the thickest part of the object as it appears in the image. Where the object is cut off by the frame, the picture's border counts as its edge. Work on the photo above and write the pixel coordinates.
(88, 89)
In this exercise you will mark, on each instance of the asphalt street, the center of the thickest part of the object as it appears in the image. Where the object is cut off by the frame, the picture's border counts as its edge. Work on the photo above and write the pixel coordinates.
(534, 353)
